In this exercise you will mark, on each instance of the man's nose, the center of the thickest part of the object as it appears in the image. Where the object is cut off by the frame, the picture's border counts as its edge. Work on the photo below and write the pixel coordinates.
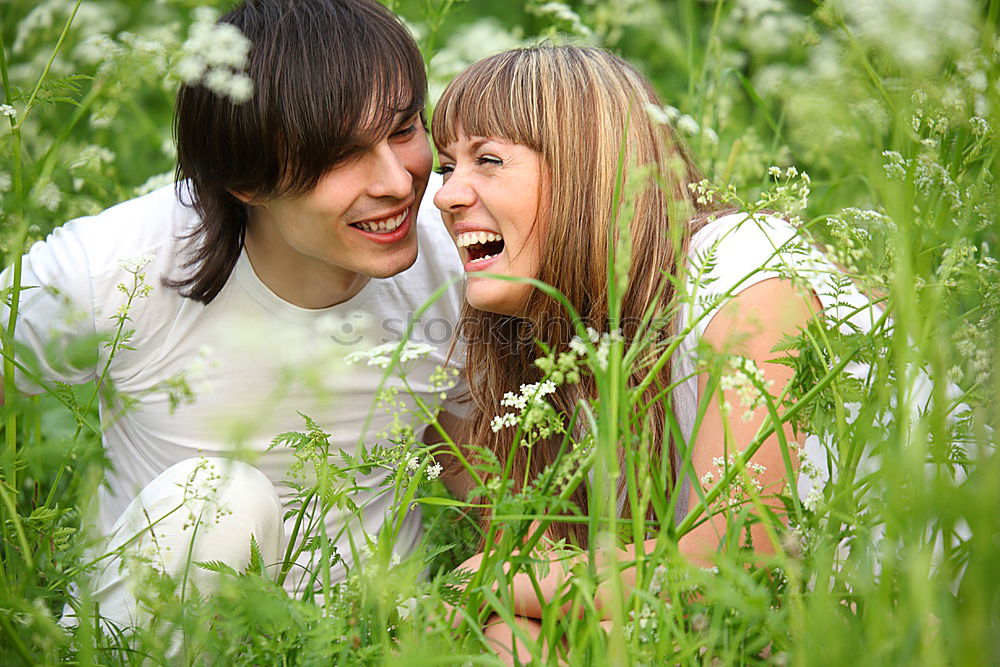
(389, 176)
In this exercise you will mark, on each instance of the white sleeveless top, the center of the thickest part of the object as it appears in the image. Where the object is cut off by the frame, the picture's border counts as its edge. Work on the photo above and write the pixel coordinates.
(735, 252)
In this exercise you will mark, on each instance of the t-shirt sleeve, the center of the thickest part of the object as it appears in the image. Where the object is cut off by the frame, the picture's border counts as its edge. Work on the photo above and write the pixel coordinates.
(734, 253)
(55, 334)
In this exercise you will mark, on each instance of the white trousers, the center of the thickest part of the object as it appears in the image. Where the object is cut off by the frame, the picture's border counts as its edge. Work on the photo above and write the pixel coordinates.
(203, 509)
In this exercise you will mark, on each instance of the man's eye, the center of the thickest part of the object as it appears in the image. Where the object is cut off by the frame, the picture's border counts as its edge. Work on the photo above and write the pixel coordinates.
(405, 132)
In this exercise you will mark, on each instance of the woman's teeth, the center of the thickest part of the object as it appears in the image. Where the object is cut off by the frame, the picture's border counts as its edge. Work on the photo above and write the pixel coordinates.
(465, 239)
(480, 245)
(384, 226)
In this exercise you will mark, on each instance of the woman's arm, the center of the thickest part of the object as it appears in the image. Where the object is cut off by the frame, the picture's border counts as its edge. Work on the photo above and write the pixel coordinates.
(750, 325)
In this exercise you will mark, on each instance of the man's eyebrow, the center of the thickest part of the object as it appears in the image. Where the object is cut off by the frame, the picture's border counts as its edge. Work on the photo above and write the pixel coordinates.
(404, 115)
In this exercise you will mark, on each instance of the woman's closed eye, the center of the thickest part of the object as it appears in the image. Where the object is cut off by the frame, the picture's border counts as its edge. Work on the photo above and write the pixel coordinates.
(489, 160)
(445, 169)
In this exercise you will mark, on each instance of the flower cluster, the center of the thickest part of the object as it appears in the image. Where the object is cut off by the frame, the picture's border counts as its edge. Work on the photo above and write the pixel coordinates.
(432, 471)
(562, 14)
(683, 123)
(538, 418)
(644, 626)
(749, 383)
(743, 485)
(602, 341)
(215, 54)
(443, 378)
(381, 355)
(789, 195)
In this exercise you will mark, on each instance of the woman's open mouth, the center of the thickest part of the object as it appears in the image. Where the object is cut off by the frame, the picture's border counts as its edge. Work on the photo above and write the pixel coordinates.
(481, 248)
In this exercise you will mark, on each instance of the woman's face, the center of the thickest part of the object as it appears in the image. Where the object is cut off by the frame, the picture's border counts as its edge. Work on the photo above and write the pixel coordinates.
(490, 202)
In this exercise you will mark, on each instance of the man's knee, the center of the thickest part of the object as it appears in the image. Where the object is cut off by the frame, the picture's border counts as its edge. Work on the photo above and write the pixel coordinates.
(211, 506)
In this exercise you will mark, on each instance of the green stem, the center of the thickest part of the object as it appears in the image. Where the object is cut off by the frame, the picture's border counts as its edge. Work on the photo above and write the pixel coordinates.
(15, 640)
(48, 65)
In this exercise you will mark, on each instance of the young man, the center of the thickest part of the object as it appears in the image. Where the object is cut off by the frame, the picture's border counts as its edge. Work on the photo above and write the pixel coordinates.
(297, 218)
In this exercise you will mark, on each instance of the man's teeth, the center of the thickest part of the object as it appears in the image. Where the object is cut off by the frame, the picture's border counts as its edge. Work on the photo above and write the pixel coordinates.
(465, 239)
(384, 226)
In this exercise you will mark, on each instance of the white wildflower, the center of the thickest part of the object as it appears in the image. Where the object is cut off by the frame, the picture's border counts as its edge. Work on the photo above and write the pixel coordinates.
(216, 54)
(136, 264)
(501, 422)
(563, 13)
(812, 499)
(657, 580)
(749, 383)
(578, 346)
(381, 355)
(92, 156)
(7, 110)
(980, 126)
(406, 607)
(688, 125)
(412, 463)
(433, 471)
(48, 196)
(657, 114)
(155, 182)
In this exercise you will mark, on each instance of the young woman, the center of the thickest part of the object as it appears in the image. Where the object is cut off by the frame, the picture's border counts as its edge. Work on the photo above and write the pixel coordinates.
(531, 145)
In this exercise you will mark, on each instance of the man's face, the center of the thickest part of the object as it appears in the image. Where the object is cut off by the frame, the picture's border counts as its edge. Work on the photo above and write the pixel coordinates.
(359, 221)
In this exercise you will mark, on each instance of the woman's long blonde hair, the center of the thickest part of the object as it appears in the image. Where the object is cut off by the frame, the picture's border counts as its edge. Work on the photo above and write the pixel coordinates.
(585, 111)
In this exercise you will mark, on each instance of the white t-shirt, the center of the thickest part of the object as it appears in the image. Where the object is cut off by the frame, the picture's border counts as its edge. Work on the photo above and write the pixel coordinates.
(252, 360)
(735, 252)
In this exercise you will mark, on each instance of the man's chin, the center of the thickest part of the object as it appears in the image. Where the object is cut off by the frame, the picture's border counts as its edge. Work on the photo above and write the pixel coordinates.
(388, 270)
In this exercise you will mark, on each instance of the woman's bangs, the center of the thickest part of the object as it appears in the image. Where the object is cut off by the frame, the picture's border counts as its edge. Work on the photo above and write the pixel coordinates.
(483, 106)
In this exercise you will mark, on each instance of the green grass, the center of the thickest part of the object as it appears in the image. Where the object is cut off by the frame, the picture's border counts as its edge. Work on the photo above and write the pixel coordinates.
(892, 112)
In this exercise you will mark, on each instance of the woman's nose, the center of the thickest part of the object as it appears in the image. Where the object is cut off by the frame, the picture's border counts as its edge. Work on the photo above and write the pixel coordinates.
(454, 194)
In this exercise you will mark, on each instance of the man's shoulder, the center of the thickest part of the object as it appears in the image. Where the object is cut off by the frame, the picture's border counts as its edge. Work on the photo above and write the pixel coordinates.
(149, 225)
(164, 212)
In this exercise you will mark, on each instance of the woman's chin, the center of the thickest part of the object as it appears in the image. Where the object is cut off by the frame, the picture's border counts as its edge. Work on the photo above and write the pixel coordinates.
(496, 296)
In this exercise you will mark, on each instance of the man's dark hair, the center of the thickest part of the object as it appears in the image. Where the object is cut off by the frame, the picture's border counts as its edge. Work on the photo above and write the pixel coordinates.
(331, 77)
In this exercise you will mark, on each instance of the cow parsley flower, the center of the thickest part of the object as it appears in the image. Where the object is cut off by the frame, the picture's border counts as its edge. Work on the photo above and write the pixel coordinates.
(538, 417)
(749, 383)
(136, 264)
(381, 355)
(215, 55)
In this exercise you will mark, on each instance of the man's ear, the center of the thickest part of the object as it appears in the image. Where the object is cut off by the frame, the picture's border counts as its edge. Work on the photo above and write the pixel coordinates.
(245, 197)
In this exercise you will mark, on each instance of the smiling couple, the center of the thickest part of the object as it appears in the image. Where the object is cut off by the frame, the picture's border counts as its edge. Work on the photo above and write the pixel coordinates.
(314, 200)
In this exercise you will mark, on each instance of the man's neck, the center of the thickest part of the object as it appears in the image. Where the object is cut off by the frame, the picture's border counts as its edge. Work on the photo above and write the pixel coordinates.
(304, 284)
